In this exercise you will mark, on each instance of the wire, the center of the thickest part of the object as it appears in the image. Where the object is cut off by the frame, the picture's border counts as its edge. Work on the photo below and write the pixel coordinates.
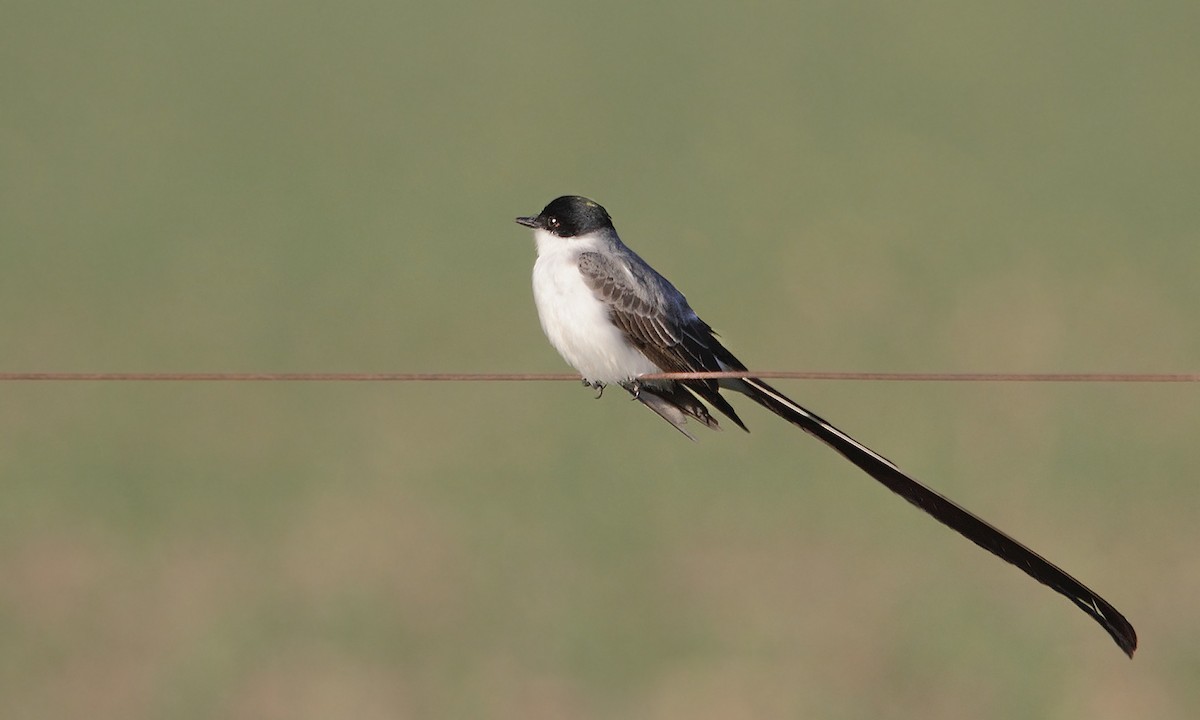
(543, 377)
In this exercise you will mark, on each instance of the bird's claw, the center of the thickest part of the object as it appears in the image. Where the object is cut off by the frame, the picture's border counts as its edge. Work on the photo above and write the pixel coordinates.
(595, 385)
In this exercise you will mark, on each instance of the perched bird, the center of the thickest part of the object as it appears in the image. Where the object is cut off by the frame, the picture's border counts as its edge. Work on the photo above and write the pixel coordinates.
(615, 319)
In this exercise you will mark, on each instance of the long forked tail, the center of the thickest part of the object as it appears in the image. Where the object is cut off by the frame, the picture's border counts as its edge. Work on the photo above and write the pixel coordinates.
(946, 512)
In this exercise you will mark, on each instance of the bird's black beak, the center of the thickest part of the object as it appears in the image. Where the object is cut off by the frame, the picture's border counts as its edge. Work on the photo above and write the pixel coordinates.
(531, 222)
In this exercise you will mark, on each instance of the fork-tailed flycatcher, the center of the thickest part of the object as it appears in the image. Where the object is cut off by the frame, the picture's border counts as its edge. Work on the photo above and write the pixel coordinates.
(615, 319)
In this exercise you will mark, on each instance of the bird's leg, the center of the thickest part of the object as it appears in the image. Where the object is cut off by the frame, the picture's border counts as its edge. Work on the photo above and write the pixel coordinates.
(595, 385)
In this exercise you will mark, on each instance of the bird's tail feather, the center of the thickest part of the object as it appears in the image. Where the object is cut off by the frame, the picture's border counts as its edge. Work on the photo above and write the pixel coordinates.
(944, 510)
(674, 404)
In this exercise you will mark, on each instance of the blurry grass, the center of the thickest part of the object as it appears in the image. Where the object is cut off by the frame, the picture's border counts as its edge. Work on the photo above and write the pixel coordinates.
(269, 186)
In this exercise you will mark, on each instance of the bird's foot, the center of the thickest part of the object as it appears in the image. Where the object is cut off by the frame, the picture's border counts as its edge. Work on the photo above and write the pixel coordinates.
(595, 385)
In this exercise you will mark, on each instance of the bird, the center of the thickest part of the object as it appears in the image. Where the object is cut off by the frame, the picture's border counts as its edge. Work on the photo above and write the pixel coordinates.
(615, 319)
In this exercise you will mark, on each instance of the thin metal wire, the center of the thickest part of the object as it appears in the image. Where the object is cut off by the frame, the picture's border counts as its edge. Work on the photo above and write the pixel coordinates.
(543, 377)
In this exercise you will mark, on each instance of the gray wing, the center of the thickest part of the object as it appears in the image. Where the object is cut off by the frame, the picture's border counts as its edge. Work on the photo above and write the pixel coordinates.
(661, 325)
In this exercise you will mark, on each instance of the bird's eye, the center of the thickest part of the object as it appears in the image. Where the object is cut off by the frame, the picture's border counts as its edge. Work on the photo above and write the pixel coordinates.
(552, 221)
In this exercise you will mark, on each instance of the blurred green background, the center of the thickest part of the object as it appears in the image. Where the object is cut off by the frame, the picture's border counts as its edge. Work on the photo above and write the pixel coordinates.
(298, 186)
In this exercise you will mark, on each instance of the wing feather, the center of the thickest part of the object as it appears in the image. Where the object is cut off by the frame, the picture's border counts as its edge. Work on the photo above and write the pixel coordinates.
(673, 338)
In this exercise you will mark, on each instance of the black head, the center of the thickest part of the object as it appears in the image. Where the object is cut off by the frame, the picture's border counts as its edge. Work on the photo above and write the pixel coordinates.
(569, 216)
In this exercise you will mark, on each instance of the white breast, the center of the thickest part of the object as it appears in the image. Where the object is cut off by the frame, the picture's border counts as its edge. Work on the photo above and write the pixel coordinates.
(575, 322)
